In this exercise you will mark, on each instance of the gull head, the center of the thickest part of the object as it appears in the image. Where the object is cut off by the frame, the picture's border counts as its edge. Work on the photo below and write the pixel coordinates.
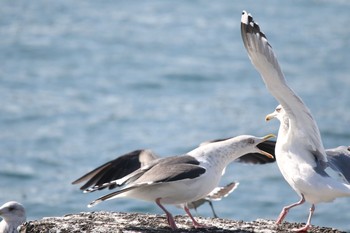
(278, 113)
(13, 212)
(249, 144)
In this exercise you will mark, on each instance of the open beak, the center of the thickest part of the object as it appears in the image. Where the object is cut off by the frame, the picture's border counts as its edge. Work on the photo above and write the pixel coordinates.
(263, 139)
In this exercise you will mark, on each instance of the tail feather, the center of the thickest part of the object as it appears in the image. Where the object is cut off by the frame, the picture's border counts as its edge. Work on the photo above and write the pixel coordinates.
(114, 194)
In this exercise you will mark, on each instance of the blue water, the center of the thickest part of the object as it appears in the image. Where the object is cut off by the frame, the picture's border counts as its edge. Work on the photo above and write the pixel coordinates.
(84, 81)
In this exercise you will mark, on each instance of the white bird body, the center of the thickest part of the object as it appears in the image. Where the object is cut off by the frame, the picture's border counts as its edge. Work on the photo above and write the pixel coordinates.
(208, 156)
(179, 180)
(127, 163)
(212, 158)
(13, 214)
(299, 150)
(166, 191)
(302, 171)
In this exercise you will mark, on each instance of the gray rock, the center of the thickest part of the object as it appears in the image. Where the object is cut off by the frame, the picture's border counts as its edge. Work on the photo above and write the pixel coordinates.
(99, 222)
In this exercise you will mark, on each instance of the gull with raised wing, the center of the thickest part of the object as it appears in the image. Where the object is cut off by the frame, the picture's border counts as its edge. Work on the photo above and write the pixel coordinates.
(179, 180)
(300, 154)
(13, 214)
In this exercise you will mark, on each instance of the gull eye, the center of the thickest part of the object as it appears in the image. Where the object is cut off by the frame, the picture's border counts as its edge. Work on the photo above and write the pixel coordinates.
(278, 109)
(250, 141)
(11, 208)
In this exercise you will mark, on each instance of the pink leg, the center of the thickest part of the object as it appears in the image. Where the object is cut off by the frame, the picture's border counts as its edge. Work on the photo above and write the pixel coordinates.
(168, 215)
(285, 210)
(195, 223)
(308, 224)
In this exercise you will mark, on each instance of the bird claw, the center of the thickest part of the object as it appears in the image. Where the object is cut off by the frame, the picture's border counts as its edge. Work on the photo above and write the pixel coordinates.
(302, 229)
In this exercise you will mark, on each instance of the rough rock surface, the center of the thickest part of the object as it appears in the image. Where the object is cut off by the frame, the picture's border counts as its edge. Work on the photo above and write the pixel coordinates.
(136, 222)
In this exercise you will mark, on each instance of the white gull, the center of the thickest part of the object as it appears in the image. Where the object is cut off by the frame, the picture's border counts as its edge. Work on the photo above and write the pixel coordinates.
(13, 214)
(178, 180)
(127, 163)
(300, 154)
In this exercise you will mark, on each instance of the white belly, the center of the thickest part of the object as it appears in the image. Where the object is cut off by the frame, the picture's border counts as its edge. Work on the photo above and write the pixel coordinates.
(303, 178)
(176, 192)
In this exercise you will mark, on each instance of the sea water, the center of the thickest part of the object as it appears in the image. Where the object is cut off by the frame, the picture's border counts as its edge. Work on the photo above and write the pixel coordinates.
(82, 82)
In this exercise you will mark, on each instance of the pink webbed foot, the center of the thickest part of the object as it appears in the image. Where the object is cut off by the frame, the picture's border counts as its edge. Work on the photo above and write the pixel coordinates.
(171, 222)
(302, 229)
(286, 209)
(308, 224)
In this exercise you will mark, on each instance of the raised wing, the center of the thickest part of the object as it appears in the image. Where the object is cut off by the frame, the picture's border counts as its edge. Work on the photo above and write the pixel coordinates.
(263, 58)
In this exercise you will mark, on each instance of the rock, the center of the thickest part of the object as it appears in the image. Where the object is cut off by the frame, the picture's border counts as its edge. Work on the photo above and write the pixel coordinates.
(99, 222)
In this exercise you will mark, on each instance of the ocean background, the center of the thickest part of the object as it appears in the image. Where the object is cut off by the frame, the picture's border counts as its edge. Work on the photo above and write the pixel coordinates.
(82, 82)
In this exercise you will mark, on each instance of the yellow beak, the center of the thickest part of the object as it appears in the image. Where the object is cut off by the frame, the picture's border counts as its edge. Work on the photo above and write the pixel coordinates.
(270, 116)
(265, 138)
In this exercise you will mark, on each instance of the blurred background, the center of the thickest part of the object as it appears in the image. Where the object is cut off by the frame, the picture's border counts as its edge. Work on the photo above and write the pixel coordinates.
(82, 82)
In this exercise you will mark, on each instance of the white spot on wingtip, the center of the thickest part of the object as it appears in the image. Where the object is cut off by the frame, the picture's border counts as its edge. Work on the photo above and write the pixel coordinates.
(93, 204)
(244, 18)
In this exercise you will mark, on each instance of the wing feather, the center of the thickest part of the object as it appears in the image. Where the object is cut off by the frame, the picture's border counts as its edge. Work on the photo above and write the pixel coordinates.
(263, 58)
(339, 160)
(115, 169)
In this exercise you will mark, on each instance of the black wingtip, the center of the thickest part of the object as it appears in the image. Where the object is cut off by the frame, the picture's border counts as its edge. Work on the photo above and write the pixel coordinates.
(248, 25)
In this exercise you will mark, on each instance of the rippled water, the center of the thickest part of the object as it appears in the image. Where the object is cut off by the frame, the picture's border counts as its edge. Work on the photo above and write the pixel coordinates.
(83, 82)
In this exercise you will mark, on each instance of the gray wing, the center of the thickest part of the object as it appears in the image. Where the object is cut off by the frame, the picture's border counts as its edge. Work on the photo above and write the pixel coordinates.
(156, 169)
(116, 169)
(161, 173)
(263, 58)
(339, 160)
(174, 169)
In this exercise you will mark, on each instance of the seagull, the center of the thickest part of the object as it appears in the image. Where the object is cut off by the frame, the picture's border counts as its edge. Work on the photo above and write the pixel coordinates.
(300, 154)
(338, 157)
(13, 215)
(178, 180)
(127, 163)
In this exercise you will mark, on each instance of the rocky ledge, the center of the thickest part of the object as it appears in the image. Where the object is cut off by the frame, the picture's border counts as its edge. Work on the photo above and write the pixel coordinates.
(135, 222)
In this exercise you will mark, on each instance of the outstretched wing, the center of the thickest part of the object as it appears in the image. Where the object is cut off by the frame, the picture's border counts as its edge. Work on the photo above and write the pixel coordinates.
(140, 175)
(116, 169)
(263, 58)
